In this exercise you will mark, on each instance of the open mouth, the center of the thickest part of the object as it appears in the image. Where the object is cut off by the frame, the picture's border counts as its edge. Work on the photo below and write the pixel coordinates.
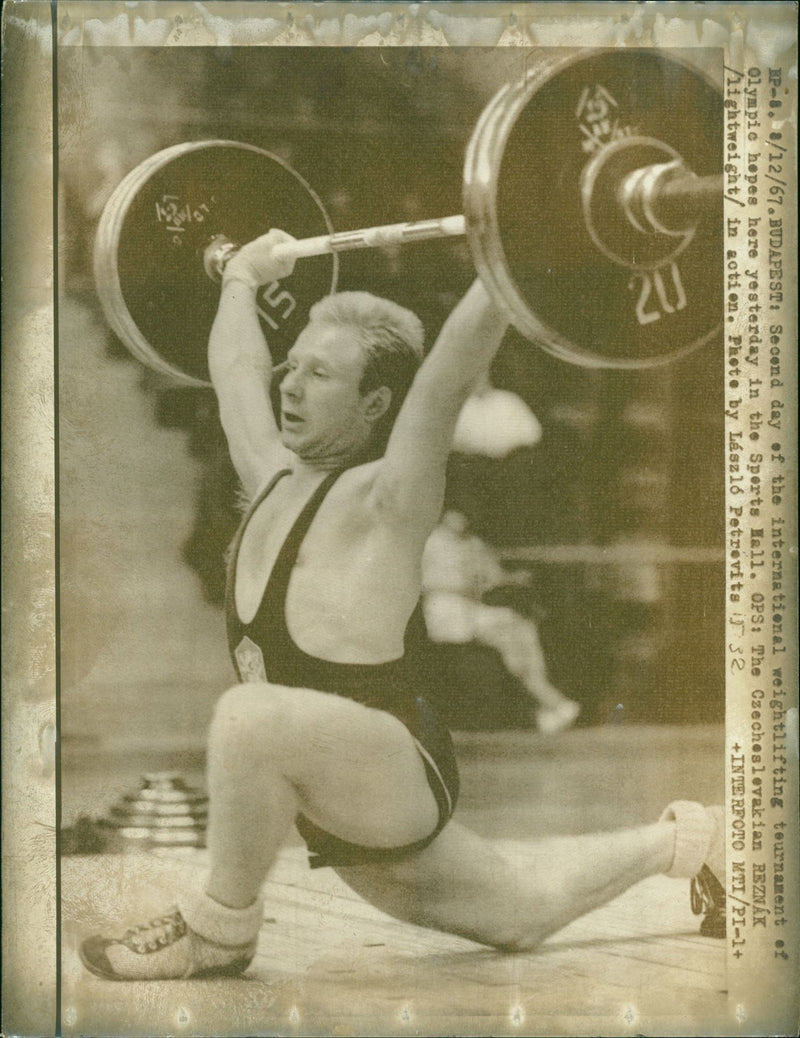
(289, 418)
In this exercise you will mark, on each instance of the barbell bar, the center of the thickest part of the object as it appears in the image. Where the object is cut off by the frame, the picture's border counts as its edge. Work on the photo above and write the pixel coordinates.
(651, 202)
(592, 206)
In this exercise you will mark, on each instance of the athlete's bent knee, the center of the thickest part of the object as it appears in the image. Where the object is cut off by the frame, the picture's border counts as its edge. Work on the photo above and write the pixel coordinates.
(251, 716)
(505, 934)
(517, 943)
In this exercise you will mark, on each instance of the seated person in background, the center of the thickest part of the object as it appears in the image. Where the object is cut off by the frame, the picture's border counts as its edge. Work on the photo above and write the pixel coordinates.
(458, 569)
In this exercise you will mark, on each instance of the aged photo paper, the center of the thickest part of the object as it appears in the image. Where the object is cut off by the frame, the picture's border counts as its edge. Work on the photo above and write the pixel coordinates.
(624, 485)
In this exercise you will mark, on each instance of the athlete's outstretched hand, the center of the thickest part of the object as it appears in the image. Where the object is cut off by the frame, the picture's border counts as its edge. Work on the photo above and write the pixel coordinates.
(256, 263)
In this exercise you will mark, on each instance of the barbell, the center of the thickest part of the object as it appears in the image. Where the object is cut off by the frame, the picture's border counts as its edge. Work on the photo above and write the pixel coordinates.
(592, 205)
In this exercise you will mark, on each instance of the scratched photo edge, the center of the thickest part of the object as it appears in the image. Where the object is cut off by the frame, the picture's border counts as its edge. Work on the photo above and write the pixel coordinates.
(30, 809)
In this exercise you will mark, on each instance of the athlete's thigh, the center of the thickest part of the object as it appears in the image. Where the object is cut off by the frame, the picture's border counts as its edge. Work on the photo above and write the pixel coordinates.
(460, 882)
(356, 770)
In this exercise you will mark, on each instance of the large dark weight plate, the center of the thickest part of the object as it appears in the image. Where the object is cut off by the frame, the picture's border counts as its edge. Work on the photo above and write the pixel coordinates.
(529, 230)
(154, 231)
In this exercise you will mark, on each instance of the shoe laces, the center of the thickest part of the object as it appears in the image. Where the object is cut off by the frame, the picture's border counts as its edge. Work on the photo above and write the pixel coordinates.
(157, 933)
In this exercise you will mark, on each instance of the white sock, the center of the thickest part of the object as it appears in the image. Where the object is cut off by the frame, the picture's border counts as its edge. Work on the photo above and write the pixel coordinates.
(694, 831)
(219, 923)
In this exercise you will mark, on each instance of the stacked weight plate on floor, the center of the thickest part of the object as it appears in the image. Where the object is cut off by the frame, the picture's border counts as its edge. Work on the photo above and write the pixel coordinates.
(163, 812)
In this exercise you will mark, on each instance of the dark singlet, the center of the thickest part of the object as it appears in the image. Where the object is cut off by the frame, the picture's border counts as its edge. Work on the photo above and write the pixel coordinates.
(263, 650)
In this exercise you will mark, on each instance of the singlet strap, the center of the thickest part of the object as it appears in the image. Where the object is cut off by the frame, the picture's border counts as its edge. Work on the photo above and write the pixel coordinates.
(232, 553)
(278, 581)
(266, 491)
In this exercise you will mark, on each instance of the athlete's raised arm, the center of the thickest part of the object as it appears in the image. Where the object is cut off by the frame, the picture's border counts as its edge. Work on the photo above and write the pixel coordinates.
(241, 366)
(410, 483)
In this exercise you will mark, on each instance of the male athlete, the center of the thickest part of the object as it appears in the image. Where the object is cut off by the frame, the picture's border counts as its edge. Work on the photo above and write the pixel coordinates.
(326, 727)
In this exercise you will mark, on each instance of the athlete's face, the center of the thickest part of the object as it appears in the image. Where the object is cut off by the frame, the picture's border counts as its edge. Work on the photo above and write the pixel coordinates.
(324, 417)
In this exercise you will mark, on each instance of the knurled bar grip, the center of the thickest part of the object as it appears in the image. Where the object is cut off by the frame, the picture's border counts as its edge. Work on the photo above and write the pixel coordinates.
(373, 237)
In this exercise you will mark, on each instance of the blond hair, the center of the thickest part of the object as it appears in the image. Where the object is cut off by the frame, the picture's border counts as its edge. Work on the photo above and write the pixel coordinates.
(393, 339)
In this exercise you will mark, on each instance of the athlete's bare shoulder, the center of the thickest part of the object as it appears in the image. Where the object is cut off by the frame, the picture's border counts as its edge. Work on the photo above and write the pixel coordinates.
(359, 492)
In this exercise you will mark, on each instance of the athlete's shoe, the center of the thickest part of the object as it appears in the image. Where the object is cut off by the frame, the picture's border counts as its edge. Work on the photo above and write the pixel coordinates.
(165, 948)
(707, 898)
(707, 889)
(700, 854)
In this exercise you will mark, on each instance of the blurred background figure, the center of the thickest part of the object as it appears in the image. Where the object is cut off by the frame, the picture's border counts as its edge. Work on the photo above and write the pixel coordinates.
(459, 571)
(494, 422)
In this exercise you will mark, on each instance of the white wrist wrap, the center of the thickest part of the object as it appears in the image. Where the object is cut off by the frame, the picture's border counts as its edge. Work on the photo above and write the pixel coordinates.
(693, 833)
(218, 923)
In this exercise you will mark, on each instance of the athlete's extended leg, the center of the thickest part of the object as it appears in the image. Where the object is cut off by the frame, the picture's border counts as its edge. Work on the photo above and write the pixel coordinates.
(274, 751)
(464, 884)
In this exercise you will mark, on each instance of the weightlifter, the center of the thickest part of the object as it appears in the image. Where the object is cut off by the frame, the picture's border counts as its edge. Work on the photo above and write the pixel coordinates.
(325, 727)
